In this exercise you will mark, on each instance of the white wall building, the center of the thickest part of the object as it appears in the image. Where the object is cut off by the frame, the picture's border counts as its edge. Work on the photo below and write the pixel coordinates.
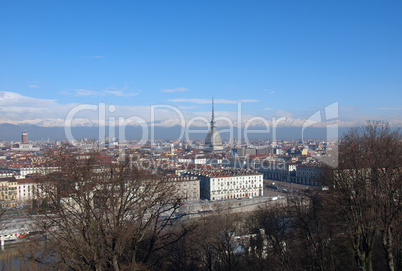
(6, 174)
(25, 147)
(23, 170)
(228, 184)
(187, 188)
(26, 190)
(196, 160)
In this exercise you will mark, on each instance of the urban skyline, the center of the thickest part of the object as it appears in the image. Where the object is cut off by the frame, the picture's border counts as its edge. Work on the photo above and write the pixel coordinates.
(200, 135)
(276, 59)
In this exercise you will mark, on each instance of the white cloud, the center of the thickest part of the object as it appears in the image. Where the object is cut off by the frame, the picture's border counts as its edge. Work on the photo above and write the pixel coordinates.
(208, 101)
(267, 108)
(18, 109)
(86, 92)
(188, 107)
(120, 93)
(11, 99)
(283, 113)
(33, 86)
(389, 108)
(270, 91)
(181, 89)
(110, 91)
(247, 101)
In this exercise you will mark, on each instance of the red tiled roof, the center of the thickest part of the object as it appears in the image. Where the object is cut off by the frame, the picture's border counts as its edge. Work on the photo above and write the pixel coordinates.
(8, 179)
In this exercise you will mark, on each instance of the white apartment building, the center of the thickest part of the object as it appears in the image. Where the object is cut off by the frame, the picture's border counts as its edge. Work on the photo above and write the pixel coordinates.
(21, 171)
(6, 174)
(195, 160)
(26, 190)
(228, 183)
(25, 147)
(187, 188)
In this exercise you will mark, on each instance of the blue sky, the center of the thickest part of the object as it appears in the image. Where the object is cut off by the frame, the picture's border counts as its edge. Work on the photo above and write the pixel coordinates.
(287, 58)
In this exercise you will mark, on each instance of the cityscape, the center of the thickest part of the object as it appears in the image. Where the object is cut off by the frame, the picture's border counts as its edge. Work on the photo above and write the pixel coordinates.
(228, 135)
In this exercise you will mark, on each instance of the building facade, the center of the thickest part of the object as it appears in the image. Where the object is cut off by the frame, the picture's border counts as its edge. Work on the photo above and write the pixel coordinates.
(187, 188)
(292, 173)
(229, 184)
(24, 145)
(8, 193)
(26, 190)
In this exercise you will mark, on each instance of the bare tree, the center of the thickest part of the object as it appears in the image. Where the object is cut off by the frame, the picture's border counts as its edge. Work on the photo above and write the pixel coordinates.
(312, 223)
(230, 252)
(366, 189)
(212, 244)
(105, 215)
(276, 227)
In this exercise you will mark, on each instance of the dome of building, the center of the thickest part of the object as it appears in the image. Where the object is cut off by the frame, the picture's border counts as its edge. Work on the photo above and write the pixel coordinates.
(213, 138)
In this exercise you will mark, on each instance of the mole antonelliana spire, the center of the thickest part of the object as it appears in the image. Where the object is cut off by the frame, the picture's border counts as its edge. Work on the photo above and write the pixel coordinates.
(213, 140)
(213, 117)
